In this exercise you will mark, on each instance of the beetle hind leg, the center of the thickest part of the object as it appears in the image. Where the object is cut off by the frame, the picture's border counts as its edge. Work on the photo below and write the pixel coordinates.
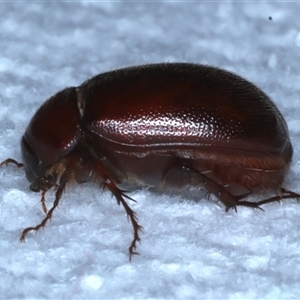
(282, 194)
(230, 200)
(225, 196)
(221, 192)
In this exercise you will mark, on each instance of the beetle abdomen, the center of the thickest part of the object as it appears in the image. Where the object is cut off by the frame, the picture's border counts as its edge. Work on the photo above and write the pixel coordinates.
(182, 105)
(192, 112)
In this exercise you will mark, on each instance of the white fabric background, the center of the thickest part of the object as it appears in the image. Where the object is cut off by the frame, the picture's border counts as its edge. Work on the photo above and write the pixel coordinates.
(189, 249)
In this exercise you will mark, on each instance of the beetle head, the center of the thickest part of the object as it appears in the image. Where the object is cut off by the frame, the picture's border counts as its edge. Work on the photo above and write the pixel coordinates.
(51, 135)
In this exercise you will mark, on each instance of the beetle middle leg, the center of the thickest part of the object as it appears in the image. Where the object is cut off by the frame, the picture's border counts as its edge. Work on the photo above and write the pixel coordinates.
(108, 181)
(120, 195)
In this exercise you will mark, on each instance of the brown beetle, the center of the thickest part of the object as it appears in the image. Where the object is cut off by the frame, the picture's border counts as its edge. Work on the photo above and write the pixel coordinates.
(159, 125)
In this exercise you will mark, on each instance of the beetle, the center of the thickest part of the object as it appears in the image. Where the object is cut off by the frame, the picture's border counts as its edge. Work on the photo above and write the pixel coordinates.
(162, 125)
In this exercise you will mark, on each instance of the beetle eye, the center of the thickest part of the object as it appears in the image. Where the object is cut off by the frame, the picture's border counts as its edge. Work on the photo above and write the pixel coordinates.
(32, 167)
(42, 183)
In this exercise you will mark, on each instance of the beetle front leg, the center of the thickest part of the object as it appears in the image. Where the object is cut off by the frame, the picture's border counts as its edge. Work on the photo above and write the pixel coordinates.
(65, 178)
(11, 161)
